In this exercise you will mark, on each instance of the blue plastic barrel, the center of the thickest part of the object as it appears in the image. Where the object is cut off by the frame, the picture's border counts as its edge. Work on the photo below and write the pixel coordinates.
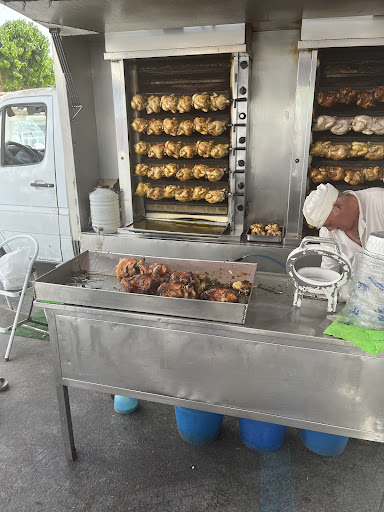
(198, 427)
(261, 436)
(323, 444)
(125, 404)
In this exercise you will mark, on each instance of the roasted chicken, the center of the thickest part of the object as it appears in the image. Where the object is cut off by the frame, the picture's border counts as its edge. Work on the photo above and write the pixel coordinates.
(153, 105)
(170, 170)
(362, 124)
(184, 104)
(339, 151)
(155, 193)
(200, 171)
(184, 174)
(257, 229)
(176, 290)
(172, 149)
(358, 149)
(142, 169)
(216, 128)
(170, 190)
(199, 193)
(142, 189)
(354, 177)
(346, 95)
(184, 195)
(375, 152)
(214, 173)
(215, 196)
(139, 102)
(372, 173)
(169, 103)
(327, 98)
(323, 123)
(319, 175)
(139, 125)
(378, 94)
(321, 148)
(204, 148)
(170, 126)
(185, 127)
(220, 150)
(156, 151)
(127, 267)
(156, 172)
(143, 284)
(219, 295)
(155, 127)
(219, 101)
(272, 230)
(201, 124)
(188, 151)
(365, 99)
(183, 277)
(142, 147)
(244, 287)
(201, 101)
(341, 126)
(336, 173)
(377, 125)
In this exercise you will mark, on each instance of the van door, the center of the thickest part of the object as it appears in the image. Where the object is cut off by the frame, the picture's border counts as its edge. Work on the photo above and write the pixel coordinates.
(28, 193)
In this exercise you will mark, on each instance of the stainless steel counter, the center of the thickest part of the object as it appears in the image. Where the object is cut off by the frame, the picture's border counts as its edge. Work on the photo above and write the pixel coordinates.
(278, 367)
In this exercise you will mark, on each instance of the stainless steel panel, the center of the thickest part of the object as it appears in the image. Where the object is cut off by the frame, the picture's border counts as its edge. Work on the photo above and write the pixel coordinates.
(98, 287)
(301, 141)
(356, 28)
(340, 43)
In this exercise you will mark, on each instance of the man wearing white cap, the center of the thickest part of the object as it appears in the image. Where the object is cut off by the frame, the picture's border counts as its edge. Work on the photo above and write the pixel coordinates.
(348, 217)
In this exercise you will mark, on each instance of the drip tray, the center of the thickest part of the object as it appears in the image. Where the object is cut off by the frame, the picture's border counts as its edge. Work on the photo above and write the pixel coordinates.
(177, 227)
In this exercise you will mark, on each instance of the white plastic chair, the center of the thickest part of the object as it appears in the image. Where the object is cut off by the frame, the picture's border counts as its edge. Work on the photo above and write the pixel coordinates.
(9, 318)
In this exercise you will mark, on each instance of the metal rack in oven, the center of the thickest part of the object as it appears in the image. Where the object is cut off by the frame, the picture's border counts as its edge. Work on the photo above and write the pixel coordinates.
(221, 74)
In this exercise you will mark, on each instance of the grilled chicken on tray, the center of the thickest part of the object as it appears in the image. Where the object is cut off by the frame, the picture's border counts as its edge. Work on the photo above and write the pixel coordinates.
(140, 125)
(219, 295)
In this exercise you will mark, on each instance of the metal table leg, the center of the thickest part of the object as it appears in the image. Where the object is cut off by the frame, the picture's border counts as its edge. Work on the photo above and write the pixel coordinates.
(381, 507)
(66, 421)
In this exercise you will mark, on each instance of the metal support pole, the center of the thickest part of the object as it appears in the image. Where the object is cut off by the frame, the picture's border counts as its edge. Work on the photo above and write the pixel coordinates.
(66, 421)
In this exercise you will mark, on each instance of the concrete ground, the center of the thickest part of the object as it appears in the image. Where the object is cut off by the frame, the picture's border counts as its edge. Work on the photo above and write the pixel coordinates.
(140, 463)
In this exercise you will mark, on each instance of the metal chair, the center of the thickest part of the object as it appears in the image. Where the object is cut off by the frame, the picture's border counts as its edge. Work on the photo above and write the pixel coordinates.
(9, 318)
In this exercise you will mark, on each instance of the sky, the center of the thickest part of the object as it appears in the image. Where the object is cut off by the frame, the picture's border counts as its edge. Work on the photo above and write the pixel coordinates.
(7, 14)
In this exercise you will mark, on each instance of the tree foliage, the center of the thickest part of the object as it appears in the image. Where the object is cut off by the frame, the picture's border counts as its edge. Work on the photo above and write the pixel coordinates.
(25, 62)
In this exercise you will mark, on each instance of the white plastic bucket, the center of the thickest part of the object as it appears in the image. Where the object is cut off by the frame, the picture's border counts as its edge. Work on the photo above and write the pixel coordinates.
(105, 211)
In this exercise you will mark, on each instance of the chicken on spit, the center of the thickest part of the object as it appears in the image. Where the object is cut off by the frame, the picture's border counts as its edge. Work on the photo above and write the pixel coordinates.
(220, 150)
(170, 191)
(346, 95)
(153, 105)
(339, 151)
(321, 148)
(142, 169)
(142, 189)
(378, 125)
(341, 126)
(354, 177)
(155, 193)
(170, 126)
(184, 195)
(188, 151)
(142, 147)
(216, 128)
(358, 149)
(139, 102)
(323, 123)
(169, 103)
(201, 124)
(204, 148)
(184, 174)
(199, 193)
(319, 175)
(373, 173)
(365, 99)
(215, 196)
(375, 152)
(185, 127)
(201, 101)
(219, 295)
(184, 104)
(214, 173)
(200, 171)
(362, 124)
(326, 98)
(378, 94)
(172, 149)
(156, 150)
(155, 127)
(336, 173)
(170, 170)
(219, 101)
(156, 172)
(139, 125)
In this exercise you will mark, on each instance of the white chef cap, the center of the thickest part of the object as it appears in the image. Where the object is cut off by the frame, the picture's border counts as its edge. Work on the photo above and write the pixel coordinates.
(318, 205)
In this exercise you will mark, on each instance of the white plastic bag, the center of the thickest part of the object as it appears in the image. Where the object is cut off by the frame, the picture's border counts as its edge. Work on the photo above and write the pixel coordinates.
(13, 268)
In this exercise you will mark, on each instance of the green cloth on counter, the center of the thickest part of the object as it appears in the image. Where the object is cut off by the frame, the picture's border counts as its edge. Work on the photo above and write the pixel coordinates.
(370, 340)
